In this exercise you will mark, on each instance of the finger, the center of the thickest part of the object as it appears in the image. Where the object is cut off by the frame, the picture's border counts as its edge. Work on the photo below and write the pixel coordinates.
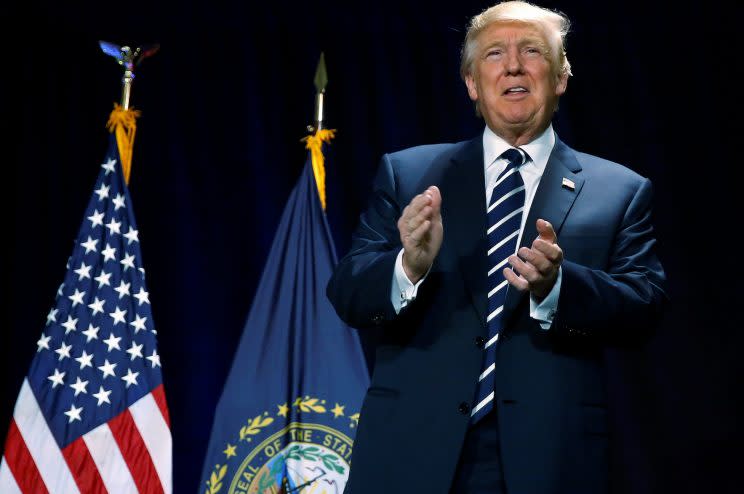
(515, 281)
(414, 207)
(415, 221)
(536, 259)
(422, 200)
(545, 231)
(436, 199)
(525, 270)
(410, 211)
(416, 235)
(551, 251)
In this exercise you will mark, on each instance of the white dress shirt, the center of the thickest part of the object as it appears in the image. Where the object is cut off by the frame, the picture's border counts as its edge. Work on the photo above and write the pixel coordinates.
(403, 292)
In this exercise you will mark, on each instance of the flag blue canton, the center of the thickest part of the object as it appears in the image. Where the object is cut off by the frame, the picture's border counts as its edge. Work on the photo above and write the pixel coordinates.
(97, 354)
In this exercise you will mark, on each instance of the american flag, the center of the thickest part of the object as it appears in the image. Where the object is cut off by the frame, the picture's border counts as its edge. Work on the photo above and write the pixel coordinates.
(91, 414)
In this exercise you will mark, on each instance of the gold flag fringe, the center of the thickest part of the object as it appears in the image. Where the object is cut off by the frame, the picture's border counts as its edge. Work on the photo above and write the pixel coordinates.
(315, 144)
(124, 123)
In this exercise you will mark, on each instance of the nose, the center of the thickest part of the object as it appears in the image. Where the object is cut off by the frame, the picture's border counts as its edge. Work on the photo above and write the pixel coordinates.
(513, 61)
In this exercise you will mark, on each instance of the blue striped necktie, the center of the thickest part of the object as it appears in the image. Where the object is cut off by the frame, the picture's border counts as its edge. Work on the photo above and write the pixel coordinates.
(504, 222)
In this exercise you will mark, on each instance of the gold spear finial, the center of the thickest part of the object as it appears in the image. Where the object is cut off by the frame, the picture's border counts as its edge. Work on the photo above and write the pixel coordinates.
(321, 81)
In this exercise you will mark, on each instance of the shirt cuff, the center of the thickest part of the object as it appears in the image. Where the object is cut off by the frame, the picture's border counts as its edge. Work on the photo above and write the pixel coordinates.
(402, 290)
(544, 312)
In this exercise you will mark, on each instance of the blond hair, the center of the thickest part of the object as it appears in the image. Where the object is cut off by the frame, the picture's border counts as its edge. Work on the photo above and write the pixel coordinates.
(554, 25)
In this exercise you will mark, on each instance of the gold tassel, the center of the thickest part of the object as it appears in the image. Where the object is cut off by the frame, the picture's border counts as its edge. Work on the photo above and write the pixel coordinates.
(124, 123)
(315, 144)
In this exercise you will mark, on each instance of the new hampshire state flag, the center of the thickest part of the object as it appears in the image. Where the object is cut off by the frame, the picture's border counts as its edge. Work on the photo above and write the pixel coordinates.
(288, 413)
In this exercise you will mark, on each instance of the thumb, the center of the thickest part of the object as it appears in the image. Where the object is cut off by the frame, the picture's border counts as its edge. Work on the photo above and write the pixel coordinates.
(545, 231)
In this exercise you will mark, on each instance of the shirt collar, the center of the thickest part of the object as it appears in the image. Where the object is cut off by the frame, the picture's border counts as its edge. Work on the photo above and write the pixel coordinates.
(538, 149)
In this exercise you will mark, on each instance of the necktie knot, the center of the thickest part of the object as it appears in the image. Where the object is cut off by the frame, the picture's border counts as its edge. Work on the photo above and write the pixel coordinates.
(515, 157)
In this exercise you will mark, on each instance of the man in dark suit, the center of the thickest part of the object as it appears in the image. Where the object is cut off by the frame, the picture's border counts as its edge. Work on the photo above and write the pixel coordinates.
(497, 272)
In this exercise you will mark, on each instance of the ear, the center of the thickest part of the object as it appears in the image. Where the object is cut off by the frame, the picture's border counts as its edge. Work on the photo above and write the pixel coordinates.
(472, 88)
(562, 83)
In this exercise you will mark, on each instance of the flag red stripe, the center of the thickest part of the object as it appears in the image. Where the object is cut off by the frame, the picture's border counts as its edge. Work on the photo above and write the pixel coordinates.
(135, 453)
(159, 395)
(83, 468)
(21, 464)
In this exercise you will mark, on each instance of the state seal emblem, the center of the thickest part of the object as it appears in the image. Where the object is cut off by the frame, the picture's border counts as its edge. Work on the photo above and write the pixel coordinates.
(301, 448)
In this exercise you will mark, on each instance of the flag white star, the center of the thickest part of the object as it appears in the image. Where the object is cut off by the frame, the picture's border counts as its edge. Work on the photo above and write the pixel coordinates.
(52, 316)
(90, 245)
(102, 192)
(122, 289)
(109, 253)
(128, 261)
(63, 350)
(85, 360)
(142, 296)
(70, 324)
(130, 378)
(154, 359)
(102, 396)
(83, 271)
(96, 306)
(59, 290)
(103, 278)
(57, 378)
(118, 202)
(112, 342)
(114, 226)
(118, 316)
(77, 297)
(132, 235)
(96, 219)
(73, 413)
(91, 333)
(109, 165)
(107, 369)
(135, 351)
(79, 386)
(138, 323)
(43, 342)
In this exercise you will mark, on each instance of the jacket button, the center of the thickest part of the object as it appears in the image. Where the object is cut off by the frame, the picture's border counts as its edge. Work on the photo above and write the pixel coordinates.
(464, 408)
(480, 341)
(377, 319)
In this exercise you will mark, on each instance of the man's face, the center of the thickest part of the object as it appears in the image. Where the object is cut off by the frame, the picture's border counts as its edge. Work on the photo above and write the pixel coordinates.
(512, 81)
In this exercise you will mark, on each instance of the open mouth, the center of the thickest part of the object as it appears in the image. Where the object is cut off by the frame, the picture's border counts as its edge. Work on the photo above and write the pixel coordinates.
(516, 90)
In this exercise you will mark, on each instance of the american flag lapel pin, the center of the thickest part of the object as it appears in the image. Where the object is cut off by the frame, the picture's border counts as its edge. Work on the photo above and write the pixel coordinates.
(568, 184)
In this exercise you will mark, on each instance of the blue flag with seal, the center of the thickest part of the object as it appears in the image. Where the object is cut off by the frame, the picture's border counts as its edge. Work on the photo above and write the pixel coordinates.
(288, 413)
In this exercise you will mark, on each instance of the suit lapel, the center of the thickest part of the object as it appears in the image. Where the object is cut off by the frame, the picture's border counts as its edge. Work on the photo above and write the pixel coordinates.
(552, 202)
(464, 217)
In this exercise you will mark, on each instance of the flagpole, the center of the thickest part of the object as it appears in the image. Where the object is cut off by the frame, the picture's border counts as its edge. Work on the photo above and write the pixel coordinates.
(122, 119)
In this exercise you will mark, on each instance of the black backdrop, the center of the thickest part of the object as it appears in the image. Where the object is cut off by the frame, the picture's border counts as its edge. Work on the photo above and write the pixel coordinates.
(224, 105)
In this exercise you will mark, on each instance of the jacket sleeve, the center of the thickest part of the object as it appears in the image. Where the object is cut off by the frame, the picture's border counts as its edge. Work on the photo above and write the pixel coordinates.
(360, 287)
(627, 297)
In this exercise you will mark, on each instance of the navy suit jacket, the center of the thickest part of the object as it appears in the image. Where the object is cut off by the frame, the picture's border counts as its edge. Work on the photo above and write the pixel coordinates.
(550, 393)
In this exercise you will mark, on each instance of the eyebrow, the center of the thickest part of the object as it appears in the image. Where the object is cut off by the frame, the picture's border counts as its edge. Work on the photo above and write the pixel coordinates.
(527, 40)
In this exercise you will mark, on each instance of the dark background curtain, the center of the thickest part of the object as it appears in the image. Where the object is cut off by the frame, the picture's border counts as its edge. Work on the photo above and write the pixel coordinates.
(224, 105)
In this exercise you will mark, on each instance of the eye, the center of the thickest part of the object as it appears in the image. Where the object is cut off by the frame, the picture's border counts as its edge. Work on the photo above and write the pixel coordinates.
(495, 53)
(532, 51)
